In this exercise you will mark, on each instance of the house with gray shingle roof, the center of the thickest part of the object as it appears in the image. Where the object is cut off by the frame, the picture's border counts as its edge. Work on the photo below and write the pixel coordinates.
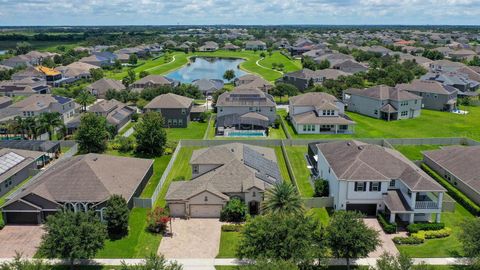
(100, 87)
(78, 183)
(175, 109)
(371, 178)
(255, 45)
(319, 113)
(208, 86)
(435, 96)
(220, 173)
(383, 102)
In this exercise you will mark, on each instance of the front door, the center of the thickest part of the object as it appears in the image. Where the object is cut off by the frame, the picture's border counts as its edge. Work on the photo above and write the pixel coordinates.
(253, 208)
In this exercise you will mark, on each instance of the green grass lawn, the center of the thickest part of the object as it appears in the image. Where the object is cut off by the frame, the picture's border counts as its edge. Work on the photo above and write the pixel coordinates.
(139, 243)
(159, 165)
(181, 170)
(228, 244)
(277, 57)
(296, 155)
(321, 214)
(126, 128)
(429, 124)
(282, 164)
(414, 152)
(195, 130)
(444, 247)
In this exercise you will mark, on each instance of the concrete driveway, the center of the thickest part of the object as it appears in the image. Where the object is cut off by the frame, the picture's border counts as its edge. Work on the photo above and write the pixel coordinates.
(22, 239)
(193, 238)
(386, 239)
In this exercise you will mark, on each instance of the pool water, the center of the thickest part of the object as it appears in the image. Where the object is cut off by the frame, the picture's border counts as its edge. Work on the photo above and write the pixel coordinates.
(206, 68)
(246, 134)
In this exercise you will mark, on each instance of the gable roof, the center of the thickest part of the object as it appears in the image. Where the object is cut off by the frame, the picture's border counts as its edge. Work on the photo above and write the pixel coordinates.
(105, 84)
(427, 86)
(169, 101)
(383, 92)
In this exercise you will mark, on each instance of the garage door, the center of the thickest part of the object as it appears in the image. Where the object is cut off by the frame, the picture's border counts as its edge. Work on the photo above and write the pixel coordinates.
(21, 218)
(177, 209)
(367, 209)
(205, 211)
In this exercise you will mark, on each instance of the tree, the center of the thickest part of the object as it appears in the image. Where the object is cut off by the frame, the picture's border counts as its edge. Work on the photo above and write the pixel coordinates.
(390, 262)
(131, 75)
(229, 74)
(23, 48)
(320, 188)
(324, 64)
(262, 55)
(308, 62)
(116, 215)
(349, 237)
(92, 134)
(85, 98)
(150, 135)
(143, 74)
(470, 237)
(153, 262)
(24, 264)
(475, 61)
(277, 237)
(49, 121)
(132, 59)
(234, 211)
(72, 235)
(283, 199)
(285, 89)
(126, 81)
(96, 73)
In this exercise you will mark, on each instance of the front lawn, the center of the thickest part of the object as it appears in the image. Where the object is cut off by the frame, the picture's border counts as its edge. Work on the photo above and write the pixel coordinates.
(296, 155)
(195, 130)
(429, 124)
(139, 243)
(228, 244)
(414, 152)
(444, 247)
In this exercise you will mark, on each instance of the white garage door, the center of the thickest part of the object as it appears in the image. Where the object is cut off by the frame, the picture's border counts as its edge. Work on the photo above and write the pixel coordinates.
(177, 209)
(205, 211)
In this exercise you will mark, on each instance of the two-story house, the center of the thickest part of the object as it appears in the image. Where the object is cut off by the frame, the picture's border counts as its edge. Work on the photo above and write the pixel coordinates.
(101, 87)
(319, 113)
(371, 178)
(36, 104)
(175, 109)
(435, 96)
(151, 81)
(118, 114)
(244, 109)
(220, 173)
(383, 102)
(303, 79)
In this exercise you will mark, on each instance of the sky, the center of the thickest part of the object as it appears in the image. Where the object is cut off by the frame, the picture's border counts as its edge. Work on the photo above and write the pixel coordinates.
(245, 12)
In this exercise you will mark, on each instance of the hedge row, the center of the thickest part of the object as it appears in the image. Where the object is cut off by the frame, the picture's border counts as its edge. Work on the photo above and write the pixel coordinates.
(456, 194)
(387, 226)
(231, 228)
(416, 227)
(433, 234)
(410, 240)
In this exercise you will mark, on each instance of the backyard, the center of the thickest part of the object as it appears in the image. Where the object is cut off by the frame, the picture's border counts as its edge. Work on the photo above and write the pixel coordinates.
(414, 152)
(274, 133)
(195, 130)
(296, 155)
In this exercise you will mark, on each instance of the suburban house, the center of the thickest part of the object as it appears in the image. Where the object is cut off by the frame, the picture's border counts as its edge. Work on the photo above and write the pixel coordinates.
(231, 47)
(100, 87)
(151, 81)
(435, 96)
(303, 79)
(79, 183)
(350, 66)
(37, 104)
(5, 101)
(208, 86)
(209, 46)
(255, 45)
(24, 87)
(383, 102)
(461, 81)
(459, 166)
(371, 178)
(18, 165)
(244, 109)
(118, 114)
(319, 113)
(253, 81)
(221, 173)
(100, 59)
(175, 109)
(462, 54)
(29, 72)
(32, 58)
(76, 71)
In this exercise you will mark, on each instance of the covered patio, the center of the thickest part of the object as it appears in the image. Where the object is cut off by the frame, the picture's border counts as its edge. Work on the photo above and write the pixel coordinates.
(248, 121)
(388, 112)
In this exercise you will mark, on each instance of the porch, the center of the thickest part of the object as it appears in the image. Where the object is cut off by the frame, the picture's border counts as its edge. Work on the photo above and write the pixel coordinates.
(417, 208)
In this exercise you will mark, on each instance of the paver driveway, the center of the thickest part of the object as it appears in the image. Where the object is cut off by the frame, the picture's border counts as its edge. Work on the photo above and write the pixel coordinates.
(193, 238)
(387, 244)
(23, 239)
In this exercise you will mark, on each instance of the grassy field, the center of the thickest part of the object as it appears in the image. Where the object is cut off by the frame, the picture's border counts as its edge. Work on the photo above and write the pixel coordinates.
(444, 247)
(414, 152)
(429, 124)
(282, 164)
(228, 244)
(277, 57)
(296, 155)
(139, 243)
(195, 130)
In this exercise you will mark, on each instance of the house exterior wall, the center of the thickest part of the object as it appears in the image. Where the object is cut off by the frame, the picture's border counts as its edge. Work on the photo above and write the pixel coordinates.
(171, 116)
(267, 111)
(301, 84)
(371, 107)
(13, 181)
(434, 101)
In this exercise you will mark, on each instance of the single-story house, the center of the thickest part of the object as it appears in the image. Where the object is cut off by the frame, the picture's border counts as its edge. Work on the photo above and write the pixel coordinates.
(220, 173)
(79, 183)
(118, 114)
(209, 46)
(100, 87)
(255, 45)
(251, 81)
(151, 81)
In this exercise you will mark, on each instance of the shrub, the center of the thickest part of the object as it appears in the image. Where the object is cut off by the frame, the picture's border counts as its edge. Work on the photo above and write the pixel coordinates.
(204, 116)
(321, 188)
(410, 240)
(135, 117)
(157, 220)
(116, 216)
(2, 223)
(276, 123)
(433, 234)
(461, 198)
(179, 178)
(125, 144)
(232, 227)
(387, 226)
(234, 211)
(416, 227)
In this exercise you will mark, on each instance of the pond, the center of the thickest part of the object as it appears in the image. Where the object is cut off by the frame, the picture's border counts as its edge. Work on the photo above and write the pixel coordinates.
(206, 68)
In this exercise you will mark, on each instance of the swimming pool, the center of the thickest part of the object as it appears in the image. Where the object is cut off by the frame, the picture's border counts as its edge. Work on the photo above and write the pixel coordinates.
(246, 134)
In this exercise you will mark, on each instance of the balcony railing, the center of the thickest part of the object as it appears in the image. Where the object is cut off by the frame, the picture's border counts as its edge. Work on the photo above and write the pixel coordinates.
(426, 205)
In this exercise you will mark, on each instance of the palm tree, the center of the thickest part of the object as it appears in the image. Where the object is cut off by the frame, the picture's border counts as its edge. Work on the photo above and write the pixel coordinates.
(21, 125)
(48, 121)
(84, 98)
(282, 198)
(32, 126)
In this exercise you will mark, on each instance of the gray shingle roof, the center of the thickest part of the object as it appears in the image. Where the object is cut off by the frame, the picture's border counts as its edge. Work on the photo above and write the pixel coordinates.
(383, 92)
(169, 101)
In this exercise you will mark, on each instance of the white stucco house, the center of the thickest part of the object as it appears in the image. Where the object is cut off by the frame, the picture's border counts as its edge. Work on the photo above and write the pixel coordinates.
(371, 178)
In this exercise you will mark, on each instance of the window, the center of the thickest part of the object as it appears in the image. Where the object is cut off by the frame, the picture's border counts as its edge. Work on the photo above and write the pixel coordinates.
(416, 101)
(360, 186)
(392, 183)
(194, 169)
(206, 198)
(174, 122)
(271, 109)
(254, 194)
(375, 112)
(180, 122)
(220, 109)
(375, 186)
(404, 113)
(169, 122)
(184, 111)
